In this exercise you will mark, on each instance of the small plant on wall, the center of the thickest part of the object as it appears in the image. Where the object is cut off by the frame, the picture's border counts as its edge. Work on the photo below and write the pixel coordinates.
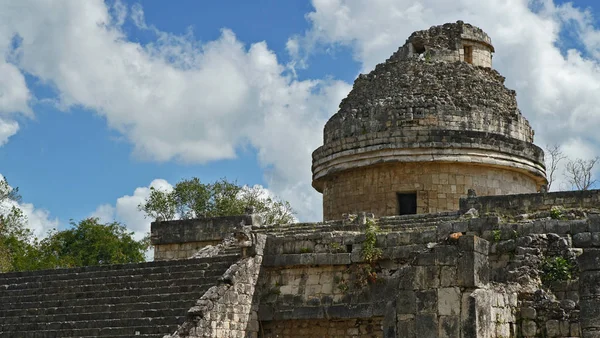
(557, 268)
(370, 252)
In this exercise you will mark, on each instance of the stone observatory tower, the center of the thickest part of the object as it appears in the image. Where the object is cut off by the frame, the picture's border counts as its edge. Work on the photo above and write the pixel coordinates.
(422, 129)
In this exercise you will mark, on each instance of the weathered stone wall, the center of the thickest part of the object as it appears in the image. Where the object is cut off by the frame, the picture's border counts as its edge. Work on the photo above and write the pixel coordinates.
(226, 309)
(439, 187)
(180, 239)
(446, 43)
(454, 96)
(165, 252)
(426, 105)
(455, 274)
(525, 203)
(351, 328)
(417, 289)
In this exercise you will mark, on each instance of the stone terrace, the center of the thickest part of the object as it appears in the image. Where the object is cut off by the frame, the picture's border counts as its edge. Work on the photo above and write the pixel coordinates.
(144, 300)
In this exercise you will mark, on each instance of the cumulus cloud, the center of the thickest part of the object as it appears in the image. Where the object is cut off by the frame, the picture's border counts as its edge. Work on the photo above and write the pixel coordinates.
(125, 209)
(176, 98)
(557, 90)
(179, 99)
(38, 220)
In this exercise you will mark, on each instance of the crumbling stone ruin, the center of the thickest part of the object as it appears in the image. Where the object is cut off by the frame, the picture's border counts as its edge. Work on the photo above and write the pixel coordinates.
(431, 122)
(437, 224)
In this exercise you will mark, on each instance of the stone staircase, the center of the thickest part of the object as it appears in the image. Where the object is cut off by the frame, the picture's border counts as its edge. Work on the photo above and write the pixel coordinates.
(129, 300)
(385, 224)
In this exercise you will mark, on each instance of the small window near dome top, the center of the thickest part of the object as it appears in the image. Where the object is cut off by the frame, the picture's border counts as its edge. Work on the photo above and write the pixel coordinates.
(407, 203)
(468, 54)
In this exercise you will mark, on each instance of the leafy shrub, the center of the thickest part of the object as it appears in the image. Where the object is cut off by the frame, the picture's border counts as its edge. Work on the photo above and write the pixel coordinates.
(557, 268)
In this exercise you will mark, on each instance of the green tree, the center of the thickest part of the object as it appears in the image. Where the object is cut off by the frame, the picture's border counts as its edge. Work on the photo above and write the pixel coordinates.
(87, 243)
(191, 198)
(17, 243)
(90, 242)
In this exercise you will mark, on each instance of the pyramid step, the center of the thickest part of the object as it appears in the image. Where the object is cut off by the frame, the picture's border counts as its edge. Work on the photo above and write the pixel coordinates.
(127, 331)
(99, 308)
(90, 285)
(132, 323)
(149, 298)
(130, 292)
(90, 316)
(117, 270)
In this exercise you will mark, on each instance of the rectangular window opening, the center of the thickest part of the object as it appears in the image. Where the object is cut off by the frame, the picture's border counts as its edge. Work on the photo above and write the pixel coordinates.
(468, 54)
(407, 203)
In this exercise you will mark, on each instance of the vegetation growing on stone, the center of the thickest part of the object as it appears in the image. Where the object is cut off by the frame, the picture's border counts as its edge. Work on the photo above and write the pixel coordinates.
(556, 268)
(370, 252)
(556, 212)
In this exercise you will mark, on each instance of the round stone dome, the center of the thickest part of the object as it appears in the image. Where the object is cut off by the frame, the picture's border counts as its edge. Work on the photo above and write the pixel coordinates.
(431, 116)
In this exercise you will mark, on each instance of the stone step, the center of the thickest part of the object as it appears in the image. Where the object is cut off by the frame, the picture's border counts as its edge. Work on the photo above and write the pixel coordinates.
(97, 308)
(190, 278)
(95, 282)
(81, 324)
(73, 316)
(109, 298)
(387, 225)
(119, 270)
(141, 300)
(126, 331)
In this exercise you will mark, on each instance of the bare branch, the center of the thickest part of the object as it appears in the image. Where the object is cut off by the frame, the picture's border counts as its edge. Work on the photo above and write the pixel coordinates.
(579, 173)
(556, 155)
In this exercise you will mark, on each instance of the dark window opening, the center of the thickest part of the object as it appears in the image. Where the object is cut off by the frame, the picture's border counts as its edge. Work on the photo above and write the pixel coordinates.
(468, 54)
(348, 248)
(418, 46)
(407, 203)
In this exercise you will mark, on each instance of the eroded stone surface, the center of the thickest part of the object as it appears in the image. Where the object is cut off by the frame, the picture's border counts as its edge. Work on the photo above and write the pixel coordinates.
(428, 104)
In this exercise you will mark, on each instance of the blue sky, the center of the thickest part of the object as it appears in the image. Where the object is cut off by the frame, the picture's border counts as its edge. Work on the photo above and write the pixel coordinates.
(119, 94)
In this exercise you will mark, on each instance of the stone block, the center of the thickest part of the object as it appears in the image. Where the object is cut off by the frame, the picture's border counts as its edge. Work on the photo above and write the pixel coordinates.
(590, 314)
(448, 327)
(474, 243)
(582, 240)
(448, 300)
(473, 270)
(589, 260)
(594, 222)
(448, 276)
(552, 328)
(427, 301)
(528, 313)
(578, 226)
(589, 284)
(406, 302)
(426, 258)
(426, 325)
(406, 326)
(446, 254)
(528, 328)
(426, 277)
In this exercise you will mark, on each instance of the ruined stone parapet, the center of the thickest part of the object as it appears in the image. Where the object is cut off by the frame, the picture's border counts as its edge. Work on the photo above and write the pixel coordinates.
(226, 310)
(412, 112)
(522, 204)
(449, 42)
(181, 239)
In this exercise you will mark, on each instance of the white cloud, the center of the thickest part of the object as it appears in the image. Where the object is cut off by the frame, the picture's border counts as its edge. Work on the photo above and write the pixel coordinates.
(125, 209)
(37, 220)
(177, 98)
(557, 92)
(105, 213)
(7, 129)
